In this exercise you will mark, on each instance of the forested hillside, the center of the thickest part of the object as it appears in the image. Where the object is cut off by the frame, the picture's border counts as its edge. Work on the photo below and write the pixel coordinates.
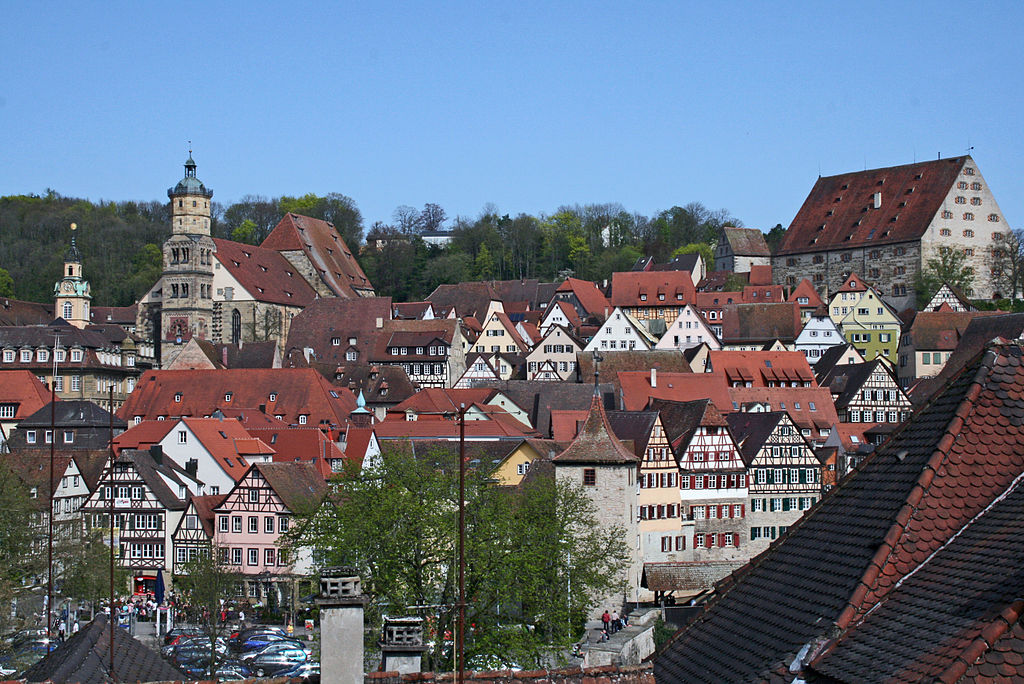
(120, 241)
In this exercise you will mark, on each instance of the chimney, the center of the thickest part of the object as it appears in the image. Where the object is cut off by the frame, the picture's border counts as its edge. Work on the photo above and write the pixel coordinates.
(192, 466)
(341, 625)
(157, 453)
(380, 322)
(401, 644)
(654, 377)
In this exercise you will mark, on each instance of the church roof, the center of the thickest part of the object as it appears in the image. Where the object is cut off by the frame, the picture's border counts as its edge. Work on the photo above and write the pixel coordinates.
(328, 255)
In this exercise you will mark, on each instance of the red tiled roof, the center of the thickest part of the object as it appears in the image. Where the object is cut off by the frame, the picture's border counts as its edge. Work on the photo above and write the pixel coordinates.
(762, 367)
(839, 212)
(796, 401)
(565, 423)
(22, 387)
(300, 486)
(357, 441)
(853, 283)
(760, 274)
(589, 296)
(596, 443)
(637, 389)
(435, 400)
(331, 319)
(440, 429)
(300, 444)
(760, 322)
(204, 506)
(297, 392)
(805, 289)
(326, 250)
(941, 330)
(228, 442)
(569, 312)
(144, 435)
(629, 286)
(264, 273)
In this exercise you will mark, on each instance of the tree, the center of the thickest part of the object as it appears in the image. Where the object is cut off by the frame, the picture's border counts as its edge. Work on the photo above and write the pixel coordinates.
(245, 232)
(535, 555)
(86, 569)
(407, 219)
(774, 236)
(950, 267)
(702, 248)
(432, 217)
(1008, 263)
(6, 283)
(484, 264)
(22, 538)
(206, 580)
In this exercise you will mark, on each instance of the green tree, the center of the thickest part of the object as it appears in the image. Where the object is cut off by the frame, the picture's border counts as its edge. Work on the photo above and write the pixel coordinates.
(702, 248)
(950, 266)
(245, 232)
(6, 283)
(1007, 263)
(206, 580)
(774, 237)
(483, 266)
(22, 521)
(535, 555)
(86, 569)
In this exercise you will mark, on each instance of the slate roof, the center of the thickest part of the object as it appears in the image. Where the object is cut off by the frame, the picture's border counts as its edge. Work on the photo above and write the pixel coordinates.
(846, 380)
(85, 656)
(157, 475)
(264, 273)
(628, 288)
(596, 443)
(633, 426)
(380, 384)
(751, 430)
(839, 212)
(871, 535)
(326, 251)
(760, 322)
(72, 413)
(682, 418)
(746, 241)
(829, 358)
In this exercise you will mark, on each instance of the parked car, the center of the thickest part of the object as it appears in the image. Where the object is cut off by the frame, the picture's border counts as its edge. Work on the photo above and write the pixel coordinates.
(270, 664)
(302, 671)
(227, 668)
(255, 637)
(274, 647)
(178, 633)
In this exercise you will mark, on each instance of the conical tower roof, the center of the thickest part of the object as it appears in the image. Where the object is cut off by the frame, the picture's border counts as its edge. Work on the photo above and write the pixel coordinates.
(596, 443)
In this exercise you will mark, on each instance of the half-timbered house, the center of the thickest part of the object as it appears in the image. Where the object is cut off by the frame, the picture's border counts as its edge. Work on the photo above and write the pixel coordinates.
(252, 519)
(784, 475)
(868, 393)
(554, 357)
(148, 494)
(194, 533)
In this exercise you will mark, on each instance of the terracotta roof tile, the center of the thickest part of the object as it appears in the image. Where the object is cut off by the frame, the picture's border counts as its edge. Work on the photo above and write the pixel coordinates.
(839, 212)
(264, 273)
(588, 295)
(326, 251)
(596, 443)
(640, 288)
(760, 322)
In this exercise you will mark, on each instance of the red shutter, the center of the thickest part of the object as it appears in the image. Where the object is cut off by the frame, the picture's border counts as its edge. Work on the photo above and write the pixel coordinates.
(736, 540)
(743, 510)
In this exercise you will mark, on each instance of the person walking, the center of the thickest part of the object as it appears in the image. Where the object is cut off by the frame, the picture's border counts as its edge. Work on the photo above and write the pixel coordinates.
(605, 620)
(615, 621)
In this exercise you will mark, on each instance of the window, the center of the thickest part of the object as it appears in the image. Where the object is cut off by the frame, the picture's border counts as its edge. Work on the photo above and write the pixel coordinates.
(76, 355)
(254, 557)
(994, 218)
(69, 436)
(254, 495)
(42, 355)
(968, 216)
(302, 419)
(236, 525)
(227, 396)
(698, 541)
(269, 557)
(960, 199)
(282, 524)
(254, 524)
(589, 477)
(335, 341)
(968, 233)
(976, 201)
(182, 437)
(222, 523)
(351, 355)
(268, 524)
(76, 383)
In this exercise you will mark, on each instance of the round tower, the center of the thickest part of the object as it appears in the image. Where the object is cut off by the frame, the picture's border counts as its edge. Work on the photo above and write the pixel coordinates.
(190, 203)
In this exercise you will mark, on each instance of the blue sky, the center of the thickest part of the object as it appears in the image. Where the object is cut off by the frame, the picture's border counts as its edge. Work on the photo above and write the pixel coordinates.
(524, 105)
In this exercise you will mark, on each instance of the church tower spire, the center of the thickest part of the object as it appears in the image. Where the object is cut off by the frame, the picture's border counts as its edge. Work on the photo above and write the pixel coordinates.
(71, 293)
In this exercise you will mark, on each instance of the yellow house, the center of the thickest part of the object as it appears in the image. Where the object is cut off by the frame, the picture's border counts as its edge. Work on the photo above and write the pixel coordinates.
(511, 469)
(865, 320)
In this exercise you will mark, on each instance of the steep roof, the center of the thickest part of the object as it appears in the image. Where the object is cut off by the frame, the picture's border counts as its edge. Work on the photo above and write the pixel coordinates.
(751, 429)
(537, 398)
(264, 273)
(299, 485)
(588, 295)
(71, 413)
(144, 434)
(634, 427)
(331, 318)
(228, 443)
(23, 388)
(18, 312)
(845, 381)
(297, 392)
(663, 360)
(468, 299)
(805, 289)
(839, 212)
(637, 388)
(941, 330)
(762, 368)
(205, 506)
(434, 400)
(873, 534)
(327, 252)
(746, 241)
(85, 658)
(644, 288)
(682, 418)
(596, 443)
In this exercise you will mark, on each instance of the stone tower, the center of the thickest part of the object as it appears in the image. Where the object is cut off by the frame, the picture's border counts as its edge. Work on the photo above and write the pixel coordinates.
(187, 297)
(71, 292)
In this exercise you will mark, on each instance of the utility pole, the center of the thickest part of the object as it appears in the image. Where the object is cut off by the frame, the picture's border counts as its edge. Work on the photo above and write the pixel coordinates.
(462, 544)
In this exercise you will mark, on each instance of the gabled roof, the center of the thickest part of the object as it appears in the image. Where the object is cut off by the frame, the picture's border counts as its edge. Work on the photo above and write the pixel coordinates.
(752, 429)
(596, 443)
(156, 476)
(326, 251)
(637, 389)
(682, 418)
(297, 392)
(746, 241)
(588, 295)
(762, 367)
(941, 330)
(393, 428)
(845, 381)
(760, 275)
(264, 273)
(437, 400)
(840, 213)
(205, 506)
(331, 319)
(469, 299)
(23, 388)
(121, 315)
(18, 312)
(228, 443)
(411, 310)
(568, 311)
(144, 435)
(633, 427)
(808, 407)
(643, 288)
(831, 356)
(380, 384)
(715, 281)
(760, 322)
(853, 283)
(537, 398)
(85, 658)
(663, 360)
(871, 545)
(805, 289)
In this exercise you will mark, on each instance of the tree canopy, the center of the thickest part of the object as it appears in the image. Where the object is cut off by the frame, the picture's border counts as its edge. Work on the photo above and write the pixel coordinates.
(535, 555)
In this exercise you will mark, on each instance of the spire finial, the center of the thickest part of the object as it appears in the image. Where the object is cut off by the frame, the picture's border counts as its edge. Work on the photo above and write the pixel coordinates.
(597, 371)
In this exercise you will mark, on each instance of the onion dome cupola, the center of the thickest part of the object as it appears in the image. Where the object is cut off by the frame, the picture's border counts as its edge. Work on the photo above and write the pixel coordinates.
(190, 184)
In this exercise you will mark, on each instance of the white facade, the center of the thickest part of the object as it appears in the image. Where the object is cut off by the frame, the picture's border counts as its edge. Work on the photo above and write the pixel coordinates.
(819, 333)
(621, 332)
(689, 330)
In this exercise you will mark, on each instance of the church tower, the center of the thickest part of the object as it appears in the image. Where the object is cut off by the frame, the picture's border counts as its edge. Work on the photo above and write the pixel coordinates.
(187, 306)
(71, 293)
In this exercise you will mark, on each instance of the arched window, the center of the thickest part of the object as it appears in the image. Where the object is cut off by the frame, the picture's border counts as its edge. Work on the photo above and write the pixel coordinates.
(71, 270)
(68, 311)
(236, 326)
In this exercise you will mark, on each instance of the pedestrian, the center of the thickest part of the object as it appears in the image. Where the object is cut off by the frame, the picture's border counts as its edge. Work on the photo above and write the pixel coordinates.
(60, 634)
(615, 621)
(241, 619)
(605, 619)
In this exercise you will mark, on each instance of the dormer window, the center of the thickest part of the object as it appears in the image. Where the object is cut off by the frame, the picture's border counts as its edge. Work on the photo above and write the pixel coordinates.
(76, 355)
(227, 396)
(273, 396)
(335, 341)
(177, 397)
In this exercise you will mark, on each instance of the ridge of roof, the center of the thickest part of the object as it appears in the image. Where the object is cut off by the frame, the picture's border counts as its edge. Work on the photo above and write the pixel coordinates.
(596, 442)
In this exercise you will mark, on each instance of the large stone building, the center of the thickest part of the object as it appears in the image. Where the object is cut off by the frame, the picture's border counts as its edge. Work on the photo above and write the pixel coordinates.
(229, 292)
(887, 223)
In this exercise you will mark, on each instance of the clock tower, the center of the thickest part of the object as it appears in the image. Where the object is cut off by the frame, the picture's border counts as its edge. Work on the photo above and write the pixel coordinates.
(71, 293)
(187, 299)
